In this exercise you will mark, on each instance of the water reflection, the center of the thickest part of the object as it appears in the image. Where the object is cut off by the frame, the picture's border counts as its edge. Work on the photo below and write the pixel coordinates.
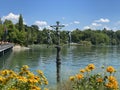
(72, 59)
(6, 58)
(58, 72)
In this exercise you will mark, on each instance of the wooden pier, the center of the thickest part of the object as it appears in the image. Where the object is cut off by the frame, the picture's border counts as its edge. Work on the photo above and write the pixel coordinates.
(4, 48)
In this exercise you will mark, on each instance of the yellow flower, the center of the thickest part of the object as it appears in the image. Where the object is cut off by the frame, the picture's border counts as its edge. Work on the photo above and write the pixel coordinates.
(25, 68)
(32, 80)
(87, 69)
(82, 70)
(112, 83)
(5, 72)
(109, 85)
(111, 78)
(30, 74)
(115, 85)
(46, 89)
(1, 79)
(91, 66)
(46, 82)
(22, 79)
(79, 76)
(110, 69)
(99, 80)
(72, 78)
(40, 72)
(37, 78)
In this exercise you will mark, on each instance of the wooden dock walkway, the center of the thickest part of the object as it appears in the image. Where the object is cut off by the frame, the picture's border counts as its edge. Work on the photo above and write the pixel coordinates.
(5, 48)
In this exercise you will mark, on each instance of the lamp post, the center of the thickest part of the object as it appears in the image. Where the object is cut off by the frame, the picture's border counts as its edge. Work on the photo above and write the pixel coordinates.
(58, 60)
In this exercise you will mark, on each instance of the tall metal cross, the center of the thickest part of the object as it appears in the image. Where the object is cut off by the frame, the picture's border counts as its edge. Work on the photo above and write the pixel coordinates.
(58, 60)
(57, 27)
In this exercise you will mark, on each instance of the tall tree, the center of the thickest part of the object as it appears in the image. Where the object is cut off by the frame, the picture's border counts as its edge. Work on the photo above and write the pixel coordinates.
(0, 21)
(20, 23)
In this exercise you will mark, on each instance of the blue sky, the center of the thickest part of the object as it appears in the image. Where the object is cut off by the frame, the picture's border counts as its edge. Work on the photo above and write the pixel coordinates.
(82, 14)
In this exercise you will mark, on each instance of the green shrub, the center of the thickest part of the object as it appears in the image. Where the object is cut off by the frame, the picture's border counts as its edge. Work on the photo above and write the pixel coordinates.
(86, 80)
(23, 80)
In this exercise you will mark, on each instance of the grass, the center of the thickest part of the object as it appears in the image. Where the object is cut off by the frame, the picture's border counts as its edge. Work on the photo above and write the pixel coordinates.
(65, 85)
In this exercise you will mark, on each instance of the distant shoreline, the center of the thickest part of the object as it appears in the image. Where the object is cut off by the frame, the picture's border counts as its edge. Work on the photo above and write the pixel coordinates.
(19, 48)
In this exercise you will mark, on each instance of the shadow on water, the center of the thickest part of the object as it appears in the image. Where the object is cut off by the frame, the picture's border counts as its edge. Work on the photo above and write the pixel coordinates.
(4, 59)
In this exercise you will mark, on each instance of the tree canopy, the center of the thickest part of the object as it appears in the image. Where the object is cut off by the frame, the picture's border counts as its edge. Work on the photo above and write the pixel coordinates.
(25, 35)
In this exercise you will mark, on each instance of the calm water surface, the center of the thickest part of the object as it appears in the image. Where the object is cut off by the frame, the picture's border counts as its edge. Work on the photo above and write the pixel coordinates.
(72, 59)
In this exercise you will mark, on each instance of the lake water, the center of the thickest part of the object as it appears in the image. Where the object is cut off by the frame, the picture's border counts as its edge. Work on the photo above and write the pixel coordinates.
(72, 59)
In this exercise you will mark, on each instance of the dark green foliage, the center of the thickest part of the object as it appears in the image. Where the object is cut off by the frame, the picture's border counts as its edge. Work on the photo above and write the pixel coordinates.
(0, 21)
(20, 23)
(26, 35)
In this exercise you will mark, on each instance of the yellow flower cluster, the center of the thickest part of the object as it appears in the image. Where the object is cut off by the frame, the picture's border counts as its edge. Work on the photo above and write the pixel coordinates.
(76, 77)
(112, 83)
(110, 69)
(95, 80)
(88, 68)
(25, 79)
(99, 80)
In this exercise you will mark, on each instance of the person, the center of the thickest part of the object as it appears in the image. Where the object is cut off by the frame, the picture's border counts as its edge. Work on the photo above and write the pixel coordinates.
(48, 38)
(69, 36)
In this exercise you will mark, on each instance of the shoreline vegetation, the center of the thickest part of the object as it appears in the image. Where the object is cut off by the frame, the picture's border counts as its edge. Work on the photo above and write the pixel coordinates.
(28, 35)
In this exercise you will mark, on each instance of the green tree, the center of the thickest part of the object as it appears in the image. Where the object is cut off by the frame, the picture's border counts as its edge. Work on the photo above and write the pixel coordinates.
(21, 37)
(77, 36)
(20, 23)
(1, 31)
(0, 21)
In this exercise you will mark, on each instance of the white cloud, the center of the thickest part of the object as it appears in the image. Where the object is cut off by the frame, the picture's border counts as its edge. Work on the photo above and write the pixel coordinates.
(11, 16)
(103, 20)
(86, 27)
(96, 24)
(66, 25)
(48, 27)
(76, 22)
(71, 23)
(41, 24)
(93, 26)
